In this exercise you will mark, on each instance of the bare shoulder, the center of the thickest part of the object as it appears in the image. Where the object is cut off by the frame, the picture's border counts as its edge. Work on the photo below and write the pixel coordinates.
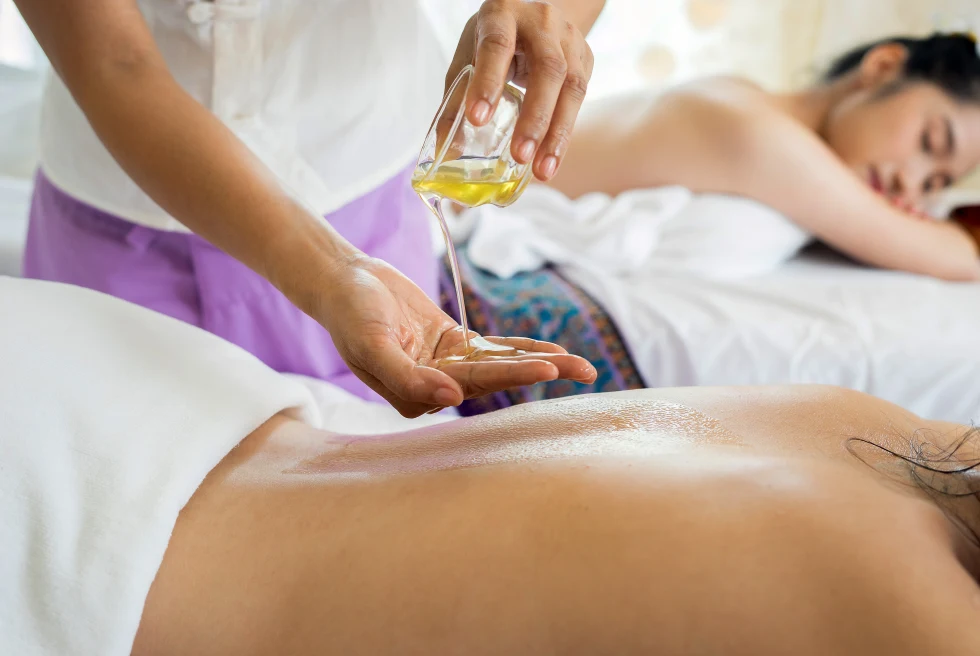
(910, 594)
(733, 115)
(734, 95)
(870, 572)
(806, 557)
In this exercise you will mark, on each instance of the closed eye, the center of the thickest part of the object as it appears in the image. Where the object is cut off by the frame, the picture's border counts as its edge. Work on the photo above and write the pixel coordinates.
(938, 182)
(942, 144)
(926, 143)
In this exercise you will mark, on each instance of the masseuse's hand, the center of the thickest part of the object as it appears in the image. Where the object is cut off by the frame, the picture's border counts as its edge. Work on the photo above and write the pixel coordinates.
(391, 335)
(535, 42)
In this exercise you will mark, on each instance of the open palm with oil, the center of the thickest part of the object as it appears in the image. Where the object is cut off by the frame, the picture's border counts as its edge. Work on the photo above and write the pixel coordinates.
(472, 166)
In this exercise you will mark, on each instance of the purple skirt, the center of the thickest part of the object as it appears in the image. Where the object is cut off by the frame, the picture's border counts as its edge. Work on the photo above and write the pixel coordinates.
(185, 277)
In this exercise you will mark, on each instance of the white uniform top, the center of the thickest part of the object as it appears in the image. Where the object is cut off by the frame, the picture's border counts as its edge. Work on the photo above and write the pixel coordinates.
(335, 96)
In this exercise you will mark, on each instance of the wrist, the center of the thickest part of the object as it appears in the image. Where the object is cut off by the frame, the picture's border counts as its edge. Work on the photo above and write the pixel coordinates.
(306, 261)
(970, 224)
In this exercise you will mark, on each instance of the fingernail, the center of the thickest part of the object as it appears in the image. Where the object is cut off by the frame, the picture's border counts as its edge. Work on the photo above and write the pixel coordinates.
(549, 166)
(445, 397)
(481, 111)
(526, 150)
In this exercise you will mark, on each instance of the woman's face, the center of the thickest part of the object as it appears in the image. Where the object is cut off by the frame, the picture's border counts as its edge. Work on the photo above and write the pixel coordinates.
(906, 140)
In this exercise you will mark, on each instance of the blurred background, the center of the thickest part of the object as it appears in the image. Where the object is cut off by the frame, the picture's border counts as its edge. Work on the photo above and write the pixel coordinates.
(781, 44)
(778, 43)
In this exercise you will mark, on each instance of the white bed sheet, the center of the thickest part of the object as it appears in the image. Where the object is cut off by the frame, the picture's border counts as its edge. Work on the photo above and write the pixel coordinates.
(110, 418)
(15, 199)
(911, 340)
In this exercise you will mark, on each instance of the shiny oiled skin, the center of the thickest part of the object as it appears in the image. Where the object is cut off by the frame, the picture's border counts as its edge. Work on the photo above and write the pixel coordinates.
(688, 521)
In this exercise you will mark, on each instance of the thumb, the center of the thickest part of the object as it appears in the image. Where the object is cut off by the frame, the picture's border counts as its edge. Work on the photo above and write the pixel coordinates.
(408, 380)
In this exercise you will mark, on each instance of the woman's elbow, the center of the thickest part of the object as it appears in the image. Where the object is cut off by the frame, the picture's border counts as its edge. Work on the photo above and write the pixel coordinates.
(963, 268)
(962, 274)
(952, 255)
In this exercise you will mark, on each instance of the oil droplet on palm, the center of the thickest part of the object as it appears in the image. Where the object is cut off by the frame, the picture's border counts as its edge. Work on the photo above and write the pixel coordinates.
(471, 183)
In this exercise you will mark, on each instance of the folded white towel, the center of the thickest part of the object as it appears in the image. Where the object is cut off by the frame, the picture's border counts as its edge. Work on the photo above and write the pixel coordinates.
(110, 418)
(668, 229)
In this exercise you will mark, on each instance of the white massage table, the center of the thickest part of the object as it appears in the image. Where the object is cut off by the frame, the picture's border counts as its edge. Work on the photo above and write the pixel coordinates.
(911, 340)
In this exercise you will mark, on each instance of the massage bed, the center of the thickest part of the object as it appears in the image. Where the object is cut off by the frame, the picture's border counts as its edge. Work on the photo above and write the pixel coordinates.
(684, 315)
(817, 319)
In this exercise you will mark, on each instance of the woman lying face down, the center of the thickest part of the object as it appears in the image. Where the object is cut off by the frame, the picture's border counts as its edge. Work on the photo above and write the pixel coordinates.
(852, 159)
(158, 497)
(782, 520)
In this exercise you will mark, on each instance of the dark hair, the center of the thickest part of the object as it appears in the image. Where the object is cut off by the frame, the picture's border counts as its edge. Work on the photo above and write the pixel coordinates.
(946, 473)
(950, 61)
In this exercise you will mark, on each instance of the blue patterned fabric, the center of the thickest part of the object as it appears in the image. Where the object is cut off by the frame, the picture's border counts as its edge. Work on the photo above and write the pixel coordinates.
(544, 306)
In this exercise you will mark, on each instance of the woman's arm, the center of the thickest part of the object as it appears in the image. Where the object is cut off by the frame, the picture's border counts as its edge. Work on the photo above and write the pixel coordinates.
(970, 223)
(175, 149)
(793, 171)
(386, 329)
(758, 152)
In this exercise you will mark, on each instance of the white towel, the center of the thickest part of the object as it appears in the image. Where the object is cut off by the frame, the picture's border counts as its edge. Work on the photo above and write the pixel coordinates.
(668, 229)
(110, 418)
(346, 414)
